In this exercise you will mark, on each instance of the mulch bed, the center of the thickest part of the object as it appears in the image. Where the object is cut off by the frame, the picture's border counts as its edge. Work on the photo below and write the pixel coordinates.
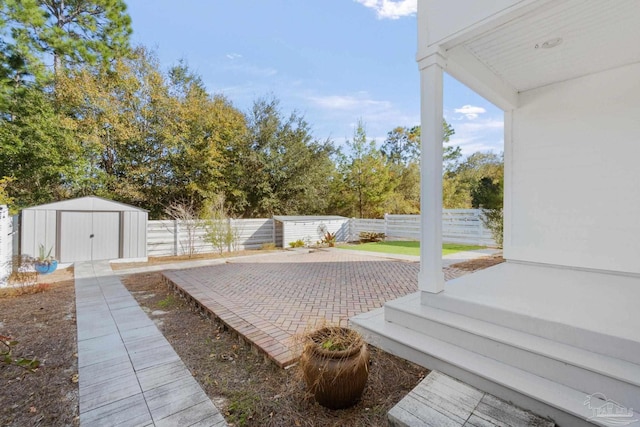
(250, 391)
(44, 325)
(479, 263)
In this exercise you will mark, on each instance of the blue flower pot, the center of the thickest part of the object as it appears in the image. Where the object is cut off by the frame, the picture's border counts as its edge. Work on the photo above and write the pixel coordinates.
(46, 268)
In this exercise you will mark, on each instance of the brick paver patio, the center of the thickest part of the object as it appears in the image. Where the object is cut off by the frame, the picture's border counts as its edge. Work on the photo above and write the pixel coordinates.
(269, 300)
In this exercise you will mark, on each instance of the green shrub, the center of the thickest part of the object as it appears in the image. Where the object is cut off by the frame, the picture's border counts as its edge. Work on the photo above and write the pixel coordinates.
(494, 221)
(268, 246)
(297, 244)
(368, 236)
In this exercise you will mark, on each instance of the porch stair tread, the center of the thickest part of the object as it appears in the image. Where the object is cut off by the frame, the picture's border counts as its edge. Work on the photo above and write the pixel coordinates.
(619, 369)
(440, 400)
(388, 335)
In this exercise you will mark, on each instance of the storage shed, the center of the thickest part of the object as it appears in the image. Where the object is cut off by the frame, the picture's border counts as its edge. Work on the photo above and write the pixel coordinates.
(85, 229)
(309, 229)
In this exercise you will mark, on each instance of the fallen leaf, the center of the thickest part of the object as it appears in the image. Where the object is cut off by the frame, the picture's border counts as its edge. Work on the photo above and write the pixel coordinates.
(75, 378)
(32, 409)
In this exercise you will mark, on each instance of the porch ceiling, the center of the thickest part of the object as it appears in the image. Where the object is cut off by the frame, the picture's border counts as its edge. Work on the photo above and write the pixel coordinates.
(596, 35)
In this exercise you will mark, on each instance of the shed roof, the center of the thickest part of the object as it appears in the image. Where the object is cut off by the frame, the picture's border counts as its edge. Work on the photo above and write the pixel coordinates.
(307, 218)
(88, 203)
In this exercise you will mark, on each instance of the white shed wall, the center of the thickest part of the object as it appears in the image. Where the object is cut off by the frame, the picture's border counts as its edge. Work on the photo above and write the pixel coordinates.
(38, 227)
(574, 176)
(307, 231)
(134, 234)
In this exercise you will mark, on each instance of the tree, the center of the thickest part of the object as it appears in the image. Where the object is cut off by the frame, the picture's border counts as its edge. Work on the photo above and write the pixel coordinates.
(402, 151)
(284, 168)
(40, 158)
(200, 131)
(364, 184)
(71, 32)
(40, 151)
(402, 145)
(478, 180)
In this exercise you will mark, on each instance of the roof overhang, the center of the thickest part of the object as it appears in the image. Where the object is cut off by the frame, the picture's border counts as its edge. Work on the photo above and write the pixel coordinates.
(539, 43)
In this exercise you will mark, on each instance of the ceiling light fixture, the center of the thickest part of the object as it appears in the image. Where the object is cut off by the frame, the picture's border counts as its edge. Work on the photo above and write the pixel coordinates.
(551, 43)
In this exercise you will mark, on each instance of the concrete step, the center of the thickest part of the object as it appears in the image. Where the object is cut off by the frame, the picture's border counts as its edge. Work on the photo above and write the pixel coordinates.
(572, 366)
(593, 311)
(561, 403)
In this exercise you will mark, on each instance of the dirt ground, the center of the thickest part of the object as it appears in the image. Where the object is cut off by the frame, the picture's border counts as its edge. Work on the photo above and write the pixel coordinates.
(479, 263)
(44, 325)
(250, 391)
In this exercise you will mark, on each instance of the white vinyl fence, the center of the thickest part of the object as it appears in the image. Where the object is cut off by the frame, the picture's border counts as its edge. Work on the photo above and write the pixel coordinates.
(166, 238)
(6, 244)
(458, 226)
(169, 237)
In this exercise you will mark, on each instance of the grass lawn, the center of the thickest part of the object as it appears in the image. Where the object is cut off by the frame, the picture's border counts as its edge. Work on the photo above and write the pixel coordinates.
(408, 247)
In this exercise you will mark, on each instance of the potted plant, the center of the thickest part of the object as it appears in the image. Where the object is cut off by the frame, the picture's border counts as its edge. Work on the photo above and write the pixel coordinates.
(335, 366)
(329, 239)
(45, 263)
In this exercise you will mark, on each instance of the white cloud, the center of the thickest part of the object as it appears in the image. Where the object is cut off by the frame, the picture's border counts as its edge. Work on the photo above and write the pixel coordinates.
(390, 9)
(233, 56)
(348, 102)
(471, 112)
(378, 116)
(481, 135)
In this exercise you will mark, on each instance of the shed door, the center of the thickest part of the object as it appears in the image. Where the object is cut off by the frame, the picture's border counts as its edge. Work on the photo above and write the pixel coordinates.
(89, 236)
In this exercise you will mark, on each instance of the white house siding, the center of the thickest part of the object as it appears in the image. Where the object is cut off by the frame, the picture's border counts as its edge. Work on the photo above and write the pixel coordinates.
(574, 154)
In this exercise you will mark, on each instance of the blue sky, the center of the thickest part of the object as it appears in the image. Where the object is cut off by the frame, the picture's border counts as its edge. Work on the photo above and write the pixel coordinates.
(334, 61)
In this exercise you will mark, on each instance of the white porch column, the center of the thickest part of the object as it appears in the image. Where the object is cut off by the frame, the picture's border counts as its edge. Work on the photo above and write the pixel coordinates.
(431, 278)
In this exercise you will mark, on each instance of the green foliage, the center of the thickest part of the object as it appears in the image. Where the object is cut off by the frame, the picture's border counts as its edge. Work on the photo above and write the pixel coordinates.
(222, 235)
(71, 31)
(44, 256)
(364, 181)
(168, 302)
(40, 157)
(6, 355)
(329, 239)
(369, 236)
(241, 407)
(284, 170)
(493, 219)
(408, 247)
(297, 244)
(476, 181)
(402, 145)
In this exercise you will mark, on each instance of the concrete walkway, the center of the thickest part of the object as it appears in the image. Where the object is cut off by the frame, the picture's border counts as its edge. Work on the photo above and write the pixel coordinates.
(129, 373)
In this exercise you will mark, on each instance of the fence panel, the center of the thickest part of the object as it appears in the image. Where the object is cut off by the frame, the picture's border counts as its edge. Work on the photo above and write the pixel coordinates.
(173, 237)
(458, 226)
(358, 225)
(169, 237)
